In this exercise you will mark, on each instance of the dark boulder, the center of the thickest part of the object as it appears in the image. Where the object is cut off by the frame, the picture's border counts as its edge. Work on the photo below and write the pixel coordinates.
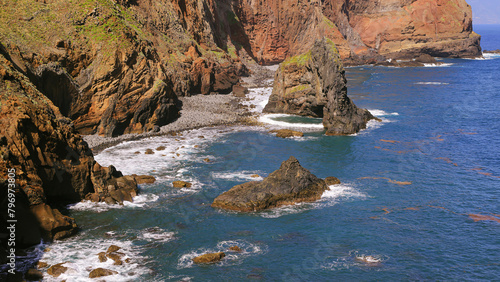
(290, 184)
(57, 269)
(100, 272)
(209, 258)
(285, 133)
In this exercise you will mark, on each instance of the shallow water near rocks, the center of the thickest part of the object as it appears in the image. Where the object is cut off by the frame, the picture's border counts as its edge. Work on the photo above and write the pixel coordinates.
(411, 186)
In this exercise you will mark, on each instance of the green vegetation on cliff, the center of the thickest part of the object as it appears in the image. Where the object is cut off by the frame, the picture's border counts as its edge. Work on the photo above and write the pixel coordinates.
(299, 60)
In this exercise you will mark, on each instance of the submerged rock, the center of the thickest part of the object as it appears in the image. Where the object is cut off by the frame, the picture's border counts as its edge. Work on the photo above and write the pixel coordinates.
(181, 184)
(33, 275)
(100, 272)
(290, 184)
(209, 258)
(313, 84)
(144, 179)
(57, 269)
(285, 133)
(235, 249)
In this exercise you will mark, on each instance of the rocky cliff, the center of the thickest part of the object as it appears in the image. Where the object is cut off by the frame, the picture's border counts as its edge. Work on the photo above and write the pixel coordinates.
(117, 67)
(406, 28)
(313, 84)
(53, 165)
(365, 31)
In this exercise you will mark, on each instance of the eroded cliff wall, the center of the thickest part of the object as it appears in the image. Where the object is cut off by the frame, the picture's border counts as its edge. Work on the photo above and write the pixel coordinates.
(406, 28)
(49, 161)
(117, 67)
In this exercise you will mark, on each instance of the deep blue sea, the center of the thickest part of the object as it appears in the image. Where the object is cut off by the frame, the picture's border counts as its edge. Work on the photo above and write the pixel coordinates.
(419, 199)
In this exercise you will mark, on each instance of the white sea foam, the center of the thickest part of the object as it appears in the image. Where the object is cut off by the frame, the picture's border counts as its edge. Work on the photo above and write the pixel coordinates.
(490, 56)
(139, 201)
(270, 119)
(238, 175)
(188, 147)
(432, 83)
(434, 65)
(336, 194)
(258, 97)
(81, 257)
(156, 234)
(373, 124)
(231, 258)
(167, 165)
(342, 191)
(381, 113)
(357, 259)
(485, 56)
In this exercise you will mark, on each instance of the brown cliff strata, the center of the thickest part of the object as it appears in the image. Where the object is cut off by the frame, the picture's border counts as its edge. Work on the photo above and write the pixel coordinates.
(404, 29)
(53, 165)
(313, 84)
(278, 29)
(119, 65)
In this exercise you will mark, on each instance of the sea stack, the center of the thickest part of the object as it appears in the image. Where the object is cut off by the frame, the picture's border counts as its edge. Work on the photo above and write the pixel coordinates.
(313, 84)
(290, 184)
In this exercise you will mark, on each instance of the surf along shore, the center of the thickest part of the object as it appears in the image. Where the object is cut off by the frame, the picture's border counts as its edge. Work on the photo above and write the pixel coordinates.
(200, 111)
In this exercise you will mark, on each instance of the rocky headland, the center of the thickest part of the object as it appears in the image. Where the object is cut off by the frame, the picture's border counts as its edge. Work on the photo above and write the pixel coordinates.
(313, 84)
(51, 164)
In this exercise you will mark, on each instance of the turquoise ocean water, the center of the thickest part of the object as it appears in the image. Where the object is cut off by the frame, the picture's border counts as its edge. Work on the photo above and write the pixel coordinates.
(419, 199)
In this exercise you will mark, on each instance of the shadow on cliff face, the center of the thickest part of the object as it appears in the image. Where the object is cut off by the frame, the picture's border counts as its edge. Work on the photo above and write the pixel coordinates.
(55, 83)
(27, 226)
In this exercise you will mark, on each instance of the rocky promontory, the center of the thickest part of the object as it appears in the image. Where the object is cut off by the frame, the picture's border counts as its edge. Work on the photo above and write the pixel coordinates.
(290, 184)
(313, 84)
(50, 163)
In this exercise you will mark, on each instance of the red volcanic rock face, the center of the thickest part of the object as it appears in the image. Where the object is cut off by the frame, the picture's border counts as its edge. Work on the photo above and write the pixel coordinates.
(407, 28)
(278, 29)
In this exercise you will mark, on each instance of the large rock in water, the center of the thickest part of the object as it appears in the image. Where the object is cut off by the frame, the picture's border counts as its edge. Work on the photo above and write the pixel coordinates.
(314, 84)
(290, 184)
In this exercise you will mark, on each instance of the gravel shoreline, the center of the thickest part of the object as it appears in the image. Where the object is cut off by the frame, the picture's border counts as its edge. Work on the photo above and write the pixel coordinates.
(198, 111)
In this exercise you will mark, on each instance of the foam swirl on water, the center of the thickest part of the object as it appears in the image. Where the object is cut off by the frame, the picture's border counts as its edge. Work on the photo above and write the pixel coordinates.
(336, 194)
(81, 257)
(231, 258)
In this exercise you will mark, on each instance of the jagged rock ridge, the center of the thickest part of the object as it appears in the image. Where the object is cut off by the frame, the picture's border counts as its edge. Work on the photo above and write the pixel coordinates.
(313, 84)
(290, 184)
